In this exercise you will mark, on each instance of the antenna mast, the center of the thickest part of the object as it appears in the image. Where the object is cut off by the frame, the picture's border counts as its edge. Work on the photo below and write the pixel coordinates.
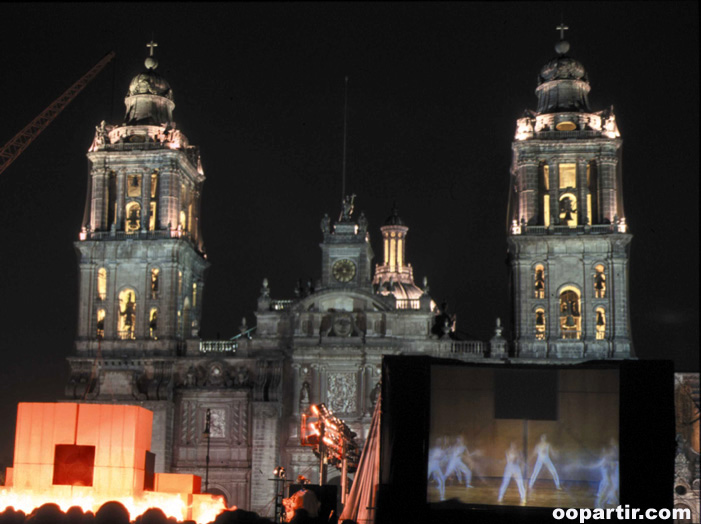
(345, 137)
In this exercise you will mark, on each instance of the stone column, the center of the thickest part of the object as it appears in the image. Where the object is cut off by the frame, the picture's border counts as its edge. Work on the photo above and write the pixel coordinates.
(265, 455)
(582, 191)
(145, 199)
(119, 216)
(554, 182)
(607, 187)
(528, 190)
(98, 218)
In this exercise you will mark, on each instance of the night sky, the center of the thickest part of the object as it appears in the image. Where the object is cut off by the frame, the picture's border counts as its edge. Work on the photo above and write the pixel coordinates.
(434, 94)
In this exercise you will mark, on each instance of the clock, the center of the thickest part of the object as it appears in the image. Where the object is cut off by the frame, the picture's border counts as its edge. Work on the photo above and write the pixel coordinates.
(343, 270)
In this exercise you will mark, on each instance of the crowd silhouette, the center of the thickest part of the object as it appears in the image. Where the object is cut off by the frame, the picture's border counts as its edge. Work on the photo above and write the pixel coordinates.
(116, 513)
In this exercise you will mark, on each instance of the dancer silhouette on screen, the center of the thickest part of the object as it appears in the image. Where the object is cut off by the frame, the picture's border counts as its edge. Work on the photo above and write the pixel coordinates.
(455, 463)
(543, 450)
(608, 486)
(514, 465)
(436, 456)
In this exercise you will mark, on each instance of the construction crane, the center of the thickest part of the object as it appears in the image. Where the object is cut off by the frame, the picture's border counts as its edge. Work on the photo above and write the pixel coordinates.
(21, 140)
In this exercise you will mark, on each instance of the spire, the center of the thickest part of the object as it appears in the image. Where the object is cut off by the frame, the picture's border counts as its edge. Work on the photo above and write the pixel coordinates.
(149, 99)
(563, 85)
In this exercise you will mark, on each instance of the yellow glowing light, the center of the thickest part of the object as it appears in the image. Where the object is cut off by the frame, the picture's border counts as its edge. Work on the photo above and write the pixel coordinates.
(566, 126)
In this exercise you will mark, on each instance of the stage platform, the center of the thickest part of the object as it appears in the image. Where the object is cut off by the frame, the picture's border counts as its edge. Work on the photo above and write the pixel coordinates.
(543, 494)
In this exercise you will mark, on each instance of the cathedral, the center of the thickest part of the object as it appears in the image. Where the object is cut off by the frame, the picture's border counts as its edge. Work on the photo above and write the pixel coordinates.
(142, 266)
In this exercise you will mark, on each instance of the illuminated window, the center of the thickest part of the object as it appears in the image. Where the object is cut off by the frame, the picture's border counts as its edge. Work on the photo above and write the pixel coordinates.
(134, 185)
(599, 282)
(568, 176)
(183, 220)
(539, 282)
(102, 283)
(570, 316)
(100, 324)
(133, 221)
(127, 314)
(180, 282)
(155, 273)
(152, 216)
(154, 184)
(194, 294)
(600, 323)
(593, 202)
(568, 209)
(543, 196)
(153, 323)
(539, 324)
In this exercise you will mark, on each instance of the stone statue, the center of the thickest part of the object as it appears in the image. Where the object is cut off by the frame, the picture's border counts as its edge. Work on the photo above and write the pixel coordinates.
(304, 393)
(190, 379)
(362, 223)
(348, 207)
(100, 134)
(265, 290)
(325, 224)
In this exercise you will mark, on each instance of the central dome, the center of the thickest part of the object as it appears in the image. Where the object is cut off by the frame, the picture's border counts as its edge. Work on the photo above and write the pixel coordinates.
(562, 68)
(150, 83)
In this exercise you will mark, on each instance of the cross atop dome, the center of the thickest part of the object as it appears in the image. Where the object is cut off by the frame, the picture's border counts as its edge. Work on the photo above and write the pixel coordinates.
(562, 28)
(562, 46)
(151, 62)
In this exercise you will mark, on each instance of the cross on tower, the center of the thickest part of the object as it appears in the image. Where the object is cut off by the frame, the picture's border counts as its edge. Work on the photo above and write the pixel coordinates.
(151, 45)
(562, 28)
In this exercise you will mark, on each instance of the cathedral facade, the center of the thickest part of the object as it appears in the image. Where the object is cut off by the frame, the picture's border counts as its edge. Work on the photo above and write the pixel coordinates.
(142, 264)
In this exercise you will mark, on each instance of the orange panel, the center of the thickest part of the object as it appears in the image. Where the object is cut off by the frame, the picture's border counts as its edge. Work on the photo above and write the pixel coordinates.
(8, 477)
(89, 425)
(144, 427)
(177, 483)
(33, 476)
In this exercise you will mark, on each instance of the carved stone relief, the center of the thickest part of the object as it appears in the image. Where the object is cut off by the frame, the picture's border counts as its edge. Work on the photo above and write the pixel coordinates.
(341, 393)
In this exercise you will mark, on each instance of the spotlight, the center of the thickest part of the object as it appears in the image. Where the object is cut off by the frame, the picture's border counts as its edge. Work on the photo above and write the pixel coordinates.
(279, 472)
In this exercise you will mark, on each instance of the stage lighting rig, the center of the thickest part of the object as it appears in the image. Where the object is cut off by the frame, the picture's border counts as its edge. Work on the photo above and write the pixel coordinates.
(332, 441)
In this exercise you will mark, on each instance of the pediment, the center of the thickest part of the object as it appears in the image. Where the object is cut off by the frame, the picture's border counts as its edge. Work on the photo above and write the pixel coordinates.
(336, 300)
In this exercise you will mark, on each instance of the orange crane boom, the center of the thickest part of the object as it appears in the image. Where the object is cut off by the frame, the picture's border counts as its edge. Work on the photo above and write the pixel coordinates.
(21, 140)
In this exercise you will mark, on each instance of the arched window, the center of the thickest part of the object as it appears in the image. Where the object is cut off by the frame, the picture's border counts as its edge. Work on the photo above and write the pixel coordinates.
(101, 283)
(153, 323)
(127, 314)
(194, 294)
(100, 324)
(570, 316)
(133, 220)
(568, 209)
(600, 323)
(540, 324)
(539, 281)
(155, 273)
(599, 282)
(183, 220)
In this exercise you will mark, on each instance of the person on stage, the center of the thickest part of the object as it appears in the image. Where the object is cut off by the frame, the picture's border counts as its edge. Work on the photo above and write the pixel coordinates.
(514, 466)
(436, 456)
(543, 450)
(455, 463)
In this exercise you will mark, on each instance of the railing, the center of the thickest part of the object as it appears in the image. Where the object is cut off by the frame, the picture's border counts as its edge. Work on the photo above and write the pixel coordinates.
(559, 135)
(137, 235)
(558, 230)
(408, 303)
(281, 305)
(218, 346)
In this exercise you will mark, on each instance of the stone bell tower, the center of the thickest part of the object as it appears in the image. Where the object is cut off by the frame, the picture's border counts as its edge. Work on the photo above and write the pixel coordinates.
(568, 239)
(140, 251)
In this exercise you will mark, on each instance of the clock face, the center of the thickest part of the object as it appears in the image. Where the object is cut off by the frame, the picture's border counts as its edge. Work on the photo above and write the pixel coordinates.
(343, 270)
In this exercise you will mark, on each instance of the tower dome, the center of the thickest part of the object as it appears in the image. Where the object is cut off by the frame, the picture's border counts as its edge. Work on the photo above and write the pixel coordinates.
(149, 99)
(563, 84)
